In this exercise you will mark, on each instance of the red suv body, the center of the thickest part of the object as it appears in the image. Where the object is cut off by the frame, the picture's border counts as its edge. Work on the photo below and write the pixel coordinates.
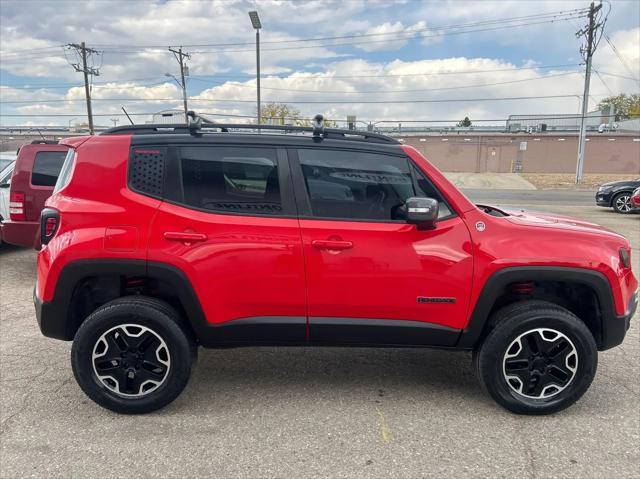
(198, 237)
(34, 175)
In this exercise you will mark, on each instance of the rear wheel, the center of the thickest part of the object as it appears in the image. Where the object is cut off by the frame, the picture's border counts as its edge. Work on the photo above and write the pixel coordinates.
(132, 356)
(539, 358)
(622, 203)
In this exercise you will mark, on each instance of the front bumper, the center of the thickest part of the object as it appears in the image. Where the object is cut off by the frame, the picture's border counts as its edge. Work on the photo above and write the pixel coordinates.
(603, 198)
(615, 329)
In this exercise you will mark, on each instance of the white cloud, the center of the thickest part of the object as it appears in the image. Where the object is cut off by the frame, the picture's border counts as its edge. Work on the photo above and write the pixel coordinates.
(386, 39)
(425, 75)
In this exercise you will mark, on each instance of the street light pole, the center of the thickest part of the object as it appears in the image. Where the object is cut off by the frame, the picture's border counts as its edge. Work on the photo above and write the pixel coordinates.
(258, 72)
(255, 22)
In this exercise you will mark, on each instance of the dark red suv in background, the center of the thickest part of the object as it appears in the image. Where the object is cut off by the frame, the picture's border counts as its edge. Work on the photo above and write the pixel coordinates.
(34, 176)
(225, 236)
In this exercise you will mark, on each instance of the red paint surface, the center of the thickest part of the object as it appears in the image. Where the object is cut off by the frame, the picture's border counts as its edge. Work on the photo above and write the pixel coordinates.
(242, 266)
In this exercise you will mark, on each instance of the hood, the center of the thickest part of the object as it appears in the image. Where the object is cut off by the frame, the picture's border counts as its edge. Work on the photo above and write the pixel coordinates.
(634, 183)
(543, 219)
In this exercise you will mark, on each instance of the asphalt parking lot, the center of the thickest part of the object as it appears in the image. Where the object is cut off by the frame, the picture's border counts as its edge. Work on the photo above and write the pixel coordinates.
(296, 412)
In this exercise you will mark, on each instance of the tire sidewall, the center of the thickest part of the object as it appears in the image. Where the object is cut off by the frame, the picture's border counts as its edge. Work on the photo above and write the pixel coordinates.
(614, 203)
(495, 347)
(103, 320)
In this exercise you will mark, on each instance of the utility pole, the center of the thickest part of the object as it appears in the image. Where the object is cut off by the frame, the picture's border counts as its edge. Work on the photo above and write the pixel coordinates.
(590, 32)
(180, 56)
(83, 52)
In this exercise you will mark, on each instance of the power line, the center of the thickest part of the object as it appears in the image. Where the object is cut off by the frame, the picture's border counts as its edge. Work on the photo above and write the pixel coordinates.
(234, 115)
(75, 85)
(107, 46)
(305, 102)
(603, 82)
(615, 50)
(322, 91)
(500, 27)
(619, 76)
(577, 11)
(299, 78)
(399, 75)
(500, 24)
(23, 50)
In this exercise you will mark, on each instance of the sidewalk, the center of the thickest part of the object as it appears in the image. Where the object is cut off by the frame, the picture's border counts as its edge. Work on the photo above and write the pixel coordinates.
(497, 181)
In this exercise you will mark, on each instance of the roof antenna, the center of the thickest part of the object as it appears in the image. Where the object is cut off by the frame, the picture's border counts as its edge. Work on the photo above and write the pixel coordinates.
(318, 127)
(43, 138)
(125, 112)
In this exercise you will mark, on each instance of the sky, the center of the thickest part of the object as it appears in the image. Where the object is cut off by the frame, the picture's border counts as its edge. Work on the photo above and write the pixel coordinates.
(383, 61)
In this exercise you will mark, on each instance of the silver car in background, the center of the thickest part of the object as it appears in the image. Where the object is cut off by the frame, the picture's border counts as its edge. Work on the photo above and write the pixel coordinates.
(5, 182)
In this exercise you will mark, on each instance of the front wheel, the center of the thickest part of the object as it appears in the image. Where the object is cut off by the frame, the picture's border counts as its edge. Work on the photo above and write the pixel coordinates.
(539, 358)
(132, 356)
(622, 203)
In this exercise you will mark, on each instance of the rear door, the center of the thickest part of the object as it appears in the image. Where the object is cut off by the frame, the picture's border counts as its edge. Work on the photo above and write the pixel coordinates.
(229, 223)
(371, 277)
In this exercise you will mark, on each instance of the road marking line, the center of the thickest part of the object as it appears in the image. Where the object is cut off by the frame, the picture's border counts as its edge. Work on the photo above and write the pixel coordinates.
(384, 429)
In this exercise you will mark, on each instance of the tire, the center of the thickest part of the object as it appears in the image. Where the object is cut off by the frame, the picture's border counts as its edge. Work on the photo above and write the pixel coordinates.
(132, 355)
(560, 371)
(621, 203)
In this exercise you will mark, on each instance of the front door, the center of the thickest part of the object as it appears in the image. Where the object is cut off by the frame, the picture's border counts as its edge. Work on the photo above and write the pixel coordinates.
(229, 224)
(371, 277)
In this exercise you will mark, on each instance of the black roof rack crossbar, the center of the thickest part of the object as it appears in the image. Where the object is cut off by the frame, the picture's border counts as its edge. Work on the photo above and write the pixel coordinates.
(329, 133)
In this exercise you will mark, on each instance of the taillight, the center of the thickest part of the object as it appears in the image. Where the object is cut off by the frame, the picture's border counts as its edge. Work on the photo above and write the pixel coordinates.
(16, 206)
(49, 223)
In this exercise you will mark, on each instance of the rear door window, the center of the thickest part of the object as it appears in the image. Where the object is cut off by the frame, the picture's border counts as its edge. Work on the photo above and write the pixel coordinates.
(231, 179)
(46, 167)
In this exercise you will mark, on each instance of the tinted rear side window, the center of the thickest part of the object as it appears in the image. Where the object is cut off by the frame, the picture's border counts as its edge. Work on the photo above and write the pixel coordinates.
(231, 179)
(46, 167)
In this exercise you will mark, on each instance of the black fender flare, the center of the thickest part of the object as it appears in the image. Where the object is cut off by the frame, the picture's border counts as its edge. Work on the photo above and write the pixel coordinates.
(497, 282)
(56, 319)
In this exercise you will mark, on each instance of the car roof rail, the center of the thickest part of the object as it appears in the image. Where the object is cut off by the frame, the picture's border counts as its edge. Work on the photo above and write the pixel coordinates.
(44, 142)
(198, 125)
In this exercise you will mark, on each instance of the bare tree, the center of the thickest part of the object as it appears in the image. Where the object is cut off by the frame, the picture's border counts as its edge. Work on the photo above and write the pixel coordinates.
(285, 114)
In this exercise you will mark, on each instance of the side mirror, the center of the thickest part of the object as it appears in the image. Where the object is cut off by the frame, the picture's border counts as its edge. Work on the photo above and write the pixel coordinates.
(422, 212)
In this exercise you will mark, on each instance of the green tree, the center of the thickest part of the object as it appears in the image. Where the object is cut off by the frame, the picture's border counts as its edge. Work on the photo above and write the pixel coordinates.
(627, 106)
(285, 114)
(465, 122)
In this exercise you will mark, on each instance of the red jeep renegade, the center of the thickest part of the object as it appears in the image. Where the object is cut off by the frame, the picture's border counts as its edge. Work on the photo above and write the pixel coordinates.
(160, 239)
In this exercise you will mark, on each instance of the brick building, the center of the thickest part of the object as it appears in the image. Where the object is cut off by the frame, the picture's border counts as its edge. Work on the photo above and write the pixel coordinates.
(529, 153)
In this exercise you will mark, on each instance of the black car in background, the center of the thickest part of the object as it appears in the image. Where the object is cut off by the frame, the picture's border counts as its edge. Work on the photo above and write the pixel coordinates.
(617, 195)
